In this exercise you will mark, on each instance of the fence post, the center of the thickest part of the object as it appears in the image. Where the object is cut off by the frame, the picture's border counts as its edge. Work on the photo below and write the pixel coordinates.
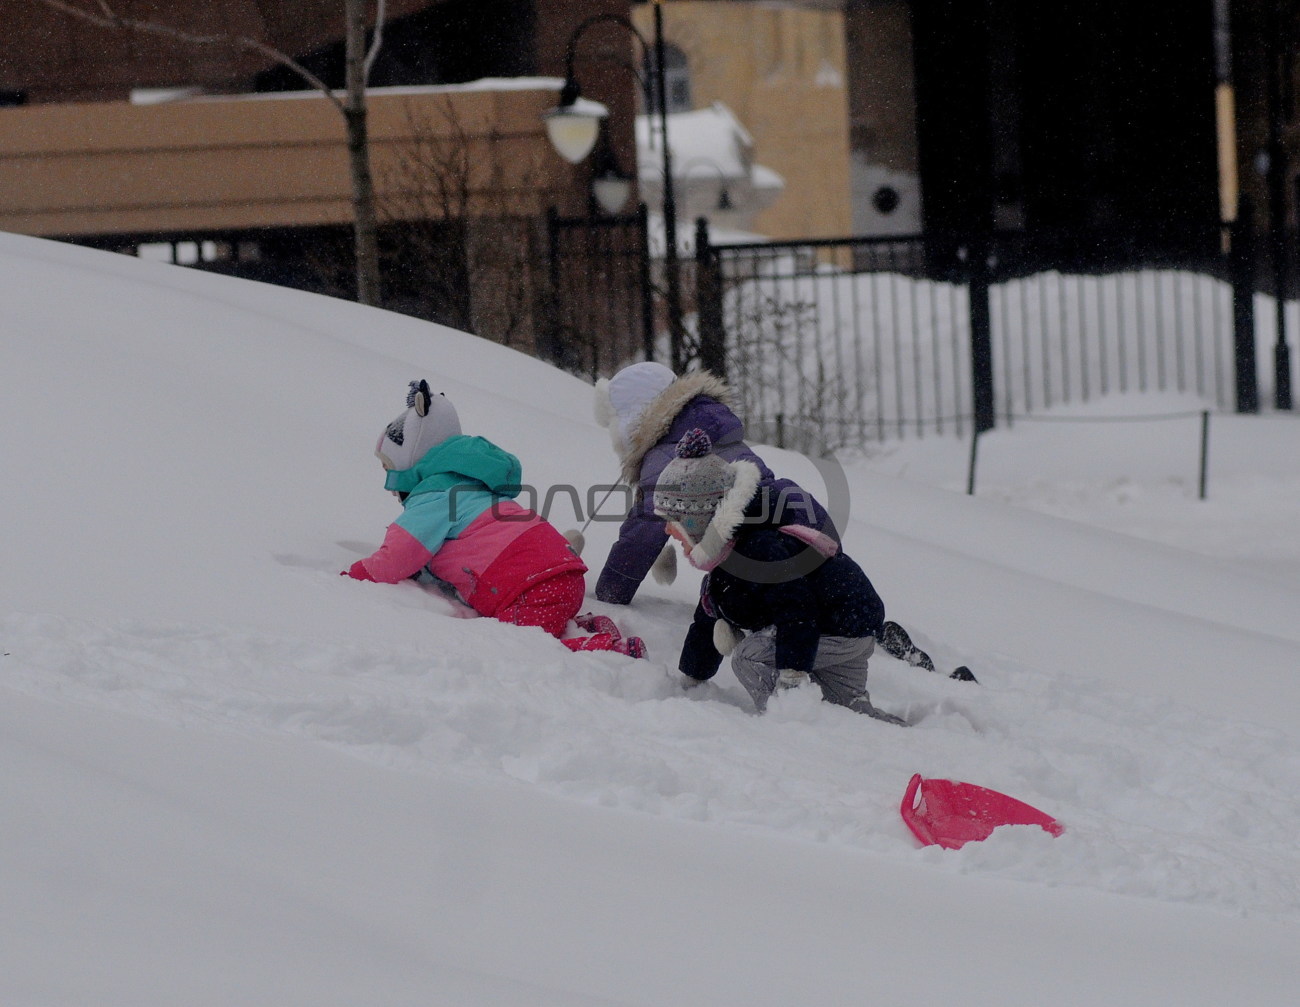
(1205, 450)
(708, 293)
(551, 350)
(647, 285)
(981, 337)
(1243, 308)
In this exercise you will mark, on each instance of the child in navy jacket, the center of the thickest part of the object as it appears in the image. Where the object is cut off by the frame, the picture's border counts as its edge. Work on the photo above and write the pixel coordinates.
(780, 597)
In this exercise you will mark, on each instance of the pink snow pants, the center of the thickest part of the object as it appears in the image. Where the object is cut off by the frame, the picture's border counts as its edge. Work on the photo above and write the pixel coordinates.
(552, 604)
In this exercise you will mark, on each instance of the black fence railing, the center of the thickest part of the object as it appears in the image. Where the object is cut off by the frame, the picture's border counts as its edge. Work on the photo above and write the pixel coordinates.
(601, 311)
(579, 292)
(827, 342)
(836, 342)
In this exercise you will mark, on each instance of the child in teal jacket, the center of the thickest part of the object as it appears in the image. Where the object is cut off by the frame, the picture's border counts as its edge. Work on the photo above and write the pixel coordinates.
(460, 523)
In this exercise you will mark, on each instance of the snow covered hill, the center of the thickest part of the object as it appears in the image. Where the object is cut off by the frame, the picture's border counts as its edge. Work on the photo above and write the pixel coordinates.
(233, 777)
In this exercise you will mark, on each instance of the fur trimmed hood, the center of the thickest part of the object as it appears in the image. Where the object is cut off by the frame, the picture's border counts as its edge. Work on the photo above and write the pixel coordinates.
(653, 422)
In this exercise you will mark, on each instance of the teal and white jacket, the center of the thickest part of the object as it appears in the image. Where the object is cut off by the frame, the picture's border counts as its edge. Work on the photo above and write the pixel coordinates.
(460, 522)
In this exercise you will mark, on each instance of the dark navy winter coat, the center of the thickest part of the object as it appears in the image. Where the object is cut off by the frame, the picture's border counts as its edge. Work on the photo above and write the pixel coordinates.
(642, 535)
(763, 583)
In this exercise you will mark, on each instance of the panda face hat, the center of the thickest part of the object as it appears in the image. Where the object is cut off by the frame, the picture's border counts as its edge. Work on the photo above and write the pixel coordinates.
(427, 421)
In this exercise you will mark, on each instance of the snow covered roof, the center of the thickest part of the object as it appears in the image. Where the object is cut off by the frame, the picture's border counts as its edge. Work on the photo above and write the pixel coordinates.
(706, 143)
(154, 95)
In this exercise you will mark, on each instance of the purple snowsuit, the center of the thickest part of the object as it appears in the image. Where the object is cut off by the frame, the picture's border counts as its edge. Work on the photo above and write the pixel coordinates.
(693, 400)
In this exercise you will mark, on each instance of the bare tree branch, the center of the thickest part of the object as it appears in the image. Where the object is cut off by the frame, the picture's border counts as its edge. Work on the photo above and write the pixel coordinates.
(351, 106)
(378, 40)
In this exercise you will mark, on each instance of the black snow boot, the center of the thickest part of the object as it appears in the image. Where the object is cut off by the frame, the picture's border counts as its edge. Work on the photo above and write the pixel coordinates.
(896, 642)
(863, 704)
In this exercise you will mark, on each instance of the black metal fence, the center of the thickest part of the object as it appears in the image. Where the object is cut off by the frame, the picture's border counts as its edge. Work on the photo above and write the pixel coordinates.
(827, 343)
(838, 342)
(601, 308)
(576, 291)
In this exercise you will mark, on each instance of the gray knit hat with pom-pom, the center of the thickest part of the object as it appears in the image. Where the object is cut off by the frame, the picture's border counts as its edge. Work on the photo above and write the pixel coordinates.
(693, 484)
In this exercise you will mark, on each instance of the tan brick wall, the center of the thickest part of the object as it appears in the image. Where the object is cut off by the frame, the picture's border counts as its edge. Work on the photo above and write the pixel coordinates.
(103, 168)
(781, 69)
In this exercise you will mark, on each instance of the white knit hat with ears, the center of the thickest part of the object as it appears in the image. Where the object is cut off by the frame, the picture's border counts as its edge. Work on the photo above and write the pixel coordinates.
(428, 421)
(622, 399)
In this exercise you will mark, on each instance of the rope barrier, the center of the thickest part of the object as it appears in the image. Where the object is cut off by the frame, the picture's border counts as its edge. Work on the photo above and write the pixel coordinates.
(1202, 414)
(1136, 418)
(894, 423)
(1187, 414)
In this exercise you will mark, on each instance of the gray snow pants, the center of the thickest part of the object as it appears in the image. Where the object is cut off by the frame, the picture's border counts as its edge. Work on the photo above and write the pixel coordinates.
(840, 667)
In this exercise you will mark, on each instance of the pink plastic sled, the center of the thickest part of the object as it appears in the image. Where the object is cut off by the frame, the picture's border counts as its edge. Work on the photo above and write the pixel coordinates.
(953, 814)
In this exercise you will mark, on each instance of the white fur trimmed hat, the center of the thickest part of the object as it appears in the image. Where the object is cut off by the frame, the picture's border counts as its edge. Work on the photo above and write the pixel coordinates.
(622, 399)
(427, 421)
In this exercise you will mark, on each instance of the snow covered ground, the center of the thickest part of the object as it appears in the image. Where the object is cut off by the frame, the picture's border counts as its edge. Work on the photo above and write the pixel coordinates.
(233, 777)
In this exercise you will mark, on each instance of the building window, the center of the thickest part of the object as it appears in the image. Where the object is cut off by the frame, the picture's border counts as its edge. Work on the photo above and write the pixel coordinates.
(769, 44)
(677, 81)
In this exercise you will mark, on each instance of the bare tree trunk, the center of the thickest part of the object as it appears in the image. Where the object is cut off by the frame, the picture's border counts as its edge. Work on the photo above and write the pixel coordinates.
(366, 229)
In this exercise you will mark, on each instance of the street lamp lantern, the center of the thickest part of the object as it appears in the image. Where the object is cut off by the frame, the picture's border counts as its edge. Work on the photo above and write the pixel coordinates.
(574, 124)
(612, 189)
(611, 186)
(575, 139)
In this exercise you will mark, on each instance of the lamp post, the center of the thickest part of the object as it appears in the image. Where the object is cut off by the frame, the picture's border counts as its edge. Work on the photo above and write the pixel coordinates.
(574, 124)
(1276, 181)
(725, 202)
